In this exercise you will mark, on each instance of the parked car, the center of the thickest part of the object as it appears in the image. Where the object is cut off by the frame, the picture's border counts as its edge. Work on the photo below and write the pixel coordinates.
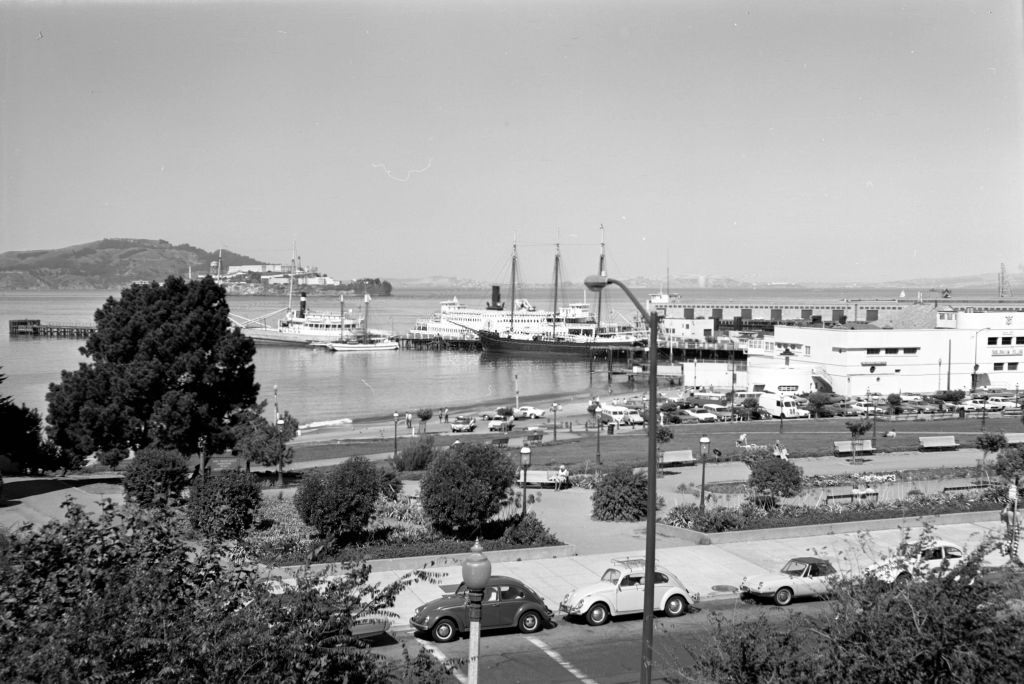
(463, 424)
(621, 592)
(970, 405)
(507, 603)
(860, 408)
(1000, 403)
(528, 412)
(799, 578)
(921, 560)
(501, 423)
(701, 416)
(496, 413)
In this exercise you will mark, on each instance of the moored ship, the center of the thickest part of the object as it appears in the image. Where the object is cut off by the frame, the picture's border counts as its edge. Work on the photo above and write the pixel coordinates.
(300, 327)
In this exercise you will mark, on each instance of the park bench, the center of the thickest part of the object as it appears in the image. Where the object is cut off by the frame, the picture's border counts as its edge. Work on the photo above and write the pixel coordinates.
(964, 488)
(938, 442)
(537, 478)
(683, 457)
(1014, 438)
(500, 442)
(533, 439)
(851, 497)
(842, 447)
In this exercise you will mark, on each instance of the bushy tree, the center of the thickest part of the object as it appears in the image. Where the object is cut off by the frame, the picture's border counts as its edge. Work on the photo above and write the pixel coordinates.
(817, 401)
(990, 442)
(122, 597)
(340, 502)
(167, 368)
(155, 477)
(951, 628)
(425, 414)
(22, 442)
(223, 504)
(777, 476)
(895, 402)
(1010, 463)
(953, 396)
(256, 440)
(466, 486)
(620, 494)
(418, 455)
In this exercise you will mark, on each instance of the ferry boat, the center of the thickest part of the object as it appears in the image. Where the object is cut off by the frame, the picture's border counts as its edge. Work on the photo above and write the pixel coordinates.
(301, 327)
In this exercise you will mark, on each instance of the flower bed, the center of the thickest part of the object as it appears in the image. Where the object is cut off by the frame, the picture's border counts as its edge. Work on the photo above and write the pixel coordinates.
(400, 531)
(751, 517)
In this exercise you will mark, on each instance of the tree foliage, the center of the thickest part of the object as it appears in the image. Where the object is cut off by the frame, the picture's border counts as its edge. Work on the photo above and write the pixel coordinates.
(418, 455)
(990, 442)
(223, 504)
(620, 494)
(817, 401)
(341, 502)
(256, 440)
(858, 428)
(777, 476)
(121, 597)
(1010, 463)
(951, 628)
(166, 368)
(155, 477)
(466, 486)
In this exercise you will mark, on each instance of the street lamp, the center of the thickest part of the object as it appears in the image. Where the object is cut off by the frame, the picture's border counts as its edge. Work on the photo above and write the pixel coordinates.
(524, 460)
(476, 570)
(554, 410)
(598, 283)
(597, 415)
(395, 416)
(705, 446)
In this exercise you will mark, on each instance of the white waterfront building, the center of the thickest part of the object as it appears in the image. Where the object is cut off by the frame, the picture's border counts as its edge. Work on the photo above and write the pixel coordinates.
(962, 349)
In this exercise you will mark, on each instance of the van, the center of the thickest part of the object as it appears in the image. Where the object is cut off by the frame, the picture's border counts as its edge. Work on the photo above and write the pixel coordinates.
(780, 406)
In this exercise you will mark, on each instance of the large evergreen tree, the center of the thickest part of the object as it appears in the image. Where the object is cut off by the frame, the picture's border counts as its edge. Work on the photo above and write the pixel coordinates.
(167, 369)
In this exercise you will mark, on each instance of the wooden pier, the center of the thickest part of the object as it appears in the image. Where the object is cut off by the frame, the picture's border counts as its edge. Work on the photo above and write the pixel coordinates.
(437, 344)
(36, 328)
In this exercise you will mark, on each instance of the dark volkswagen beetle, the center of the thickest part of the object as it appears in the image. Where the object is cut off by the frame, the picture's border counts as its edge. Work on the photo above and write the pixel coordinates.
(507, 603)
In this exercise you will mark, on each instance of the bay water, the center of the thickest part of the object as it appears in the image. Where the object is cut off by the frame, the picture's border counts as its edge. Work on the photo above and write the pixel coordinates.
(315, 384)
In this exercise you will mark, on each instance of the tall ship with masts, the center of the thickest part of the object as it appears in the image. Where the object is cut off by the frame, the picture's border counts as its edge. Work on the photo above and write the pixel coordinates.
(569, 331)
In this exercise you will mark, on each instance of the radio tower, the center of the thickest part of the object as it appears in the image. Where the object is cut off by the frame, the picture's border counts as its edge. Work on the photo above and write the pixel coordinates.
(1004, 283)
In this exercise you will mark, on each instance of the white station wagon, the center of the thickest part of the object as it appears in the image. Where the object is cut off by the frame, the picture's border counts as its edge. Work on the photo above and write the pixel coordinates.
(621, 592)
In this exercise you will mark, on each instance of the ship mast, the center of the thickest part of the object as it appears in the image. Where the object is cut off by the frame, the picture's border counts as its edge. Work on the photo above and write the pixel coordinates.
(512, 310)
(554, 306)
(600, 271)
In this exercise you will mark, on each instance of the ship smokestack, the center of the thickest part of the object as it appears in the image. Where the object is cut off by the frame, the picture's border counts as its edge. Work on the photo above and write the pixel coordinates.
(302, 305)
(496, 298)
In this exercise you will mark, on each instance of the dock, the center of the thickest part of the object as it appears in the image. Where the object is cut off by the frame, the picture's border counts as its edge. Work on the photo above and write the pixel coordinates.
(437, 344)
(36, 328)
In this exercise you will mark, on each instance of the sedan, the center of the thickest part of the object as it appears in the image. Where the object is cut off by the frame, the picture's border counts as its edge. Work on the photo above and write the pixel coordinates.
(507, 603)
(463, 424)
(702, 416)
(920, 560)
(528, 412)
(800, 577)
(971, 405)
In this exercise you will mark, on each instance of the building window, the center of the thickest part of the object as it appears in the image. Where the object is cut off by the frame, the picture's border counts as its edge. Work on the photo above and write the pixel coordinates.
(1007, 340)
(1011, 366)
(1020, 340)
(892, 351)
(910, 350)
(871, 351)
(992, 341)
(998, 367)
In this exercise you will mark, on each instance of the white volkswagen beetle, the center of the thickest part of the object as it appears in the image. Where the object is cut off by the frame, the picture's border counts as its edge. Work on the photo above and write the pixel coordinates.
(621, 592)
(799, 578)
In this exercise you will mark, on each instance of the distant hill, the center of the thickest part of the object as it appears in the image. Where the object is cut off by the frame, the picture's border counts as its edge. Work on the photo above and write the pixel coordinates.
(107, 264)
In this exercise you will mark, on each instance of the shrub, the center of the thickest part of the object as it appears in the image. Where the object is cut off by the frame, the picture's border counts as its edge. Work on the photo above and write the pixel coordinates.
(418, 456)
(529, 531)
(341, 502)
(621, 495)
(1010, 463)
(465, 486)
(223, 504)
(775, 475)
(155, 477)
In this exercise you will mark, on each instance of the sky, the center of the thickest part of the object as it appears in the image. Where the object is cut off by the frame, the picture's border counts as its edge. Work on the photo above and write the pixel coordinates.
(792, 140)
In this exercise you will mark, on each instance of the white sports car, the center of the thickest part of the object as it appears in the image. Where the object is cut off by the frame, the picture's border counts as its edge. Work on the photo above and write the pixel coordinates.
(799, 578)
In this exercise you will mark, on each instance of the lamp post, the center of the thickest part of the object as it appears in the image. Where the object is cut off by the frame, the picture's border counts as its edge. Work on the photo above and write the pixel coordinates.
(524, 461)
(554, 411)
(598, 283)
(395, 456)
(476, 570)
(705, 446)
(597, 415)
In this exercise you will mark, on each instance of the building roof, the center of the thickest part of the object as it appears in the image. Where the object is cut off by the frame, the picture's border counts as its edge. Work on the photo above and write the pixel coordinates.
(915, 317)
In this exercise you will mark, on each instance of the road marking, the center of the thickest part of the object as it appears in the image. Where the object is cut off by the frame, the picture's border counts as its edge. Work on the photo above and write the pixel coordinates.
(557, 657)
(441, 658)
